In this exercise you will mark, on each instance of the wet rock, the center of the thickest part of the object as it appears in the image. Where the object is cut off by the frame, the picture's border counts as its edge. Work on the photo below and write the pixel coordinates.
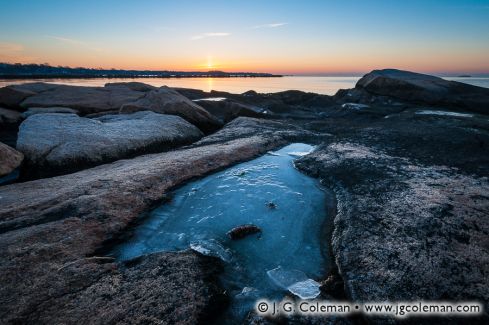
(61, 143)
(425, 89)
(243, 231)
(41, 110)
(10, 159)
(167, 101)
(8, 116)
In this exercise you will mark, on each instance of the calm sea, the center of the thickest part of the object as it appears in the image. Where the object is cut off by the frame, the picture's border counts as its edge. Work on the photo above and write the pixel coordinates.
(320, 85)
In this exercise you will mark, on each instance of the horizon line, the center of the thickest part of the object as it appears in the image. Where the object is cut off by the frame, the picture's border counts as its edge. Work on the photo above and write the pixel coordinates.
(290, 73)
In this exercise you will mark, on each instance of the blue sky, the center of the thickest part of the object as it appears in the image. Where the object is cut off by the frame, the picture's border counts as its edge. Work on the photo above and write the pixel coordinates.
(311, 37)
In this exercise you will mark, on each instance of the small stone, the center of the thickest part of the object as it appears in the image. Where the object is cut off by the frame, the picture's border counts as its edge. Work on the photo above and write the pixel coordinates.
(243, 231)
(271, 205)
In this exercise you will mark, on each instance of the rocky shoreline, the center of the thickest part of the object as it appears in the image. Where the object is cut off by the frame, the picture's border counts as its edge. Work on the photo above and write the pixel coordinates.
(406, 156)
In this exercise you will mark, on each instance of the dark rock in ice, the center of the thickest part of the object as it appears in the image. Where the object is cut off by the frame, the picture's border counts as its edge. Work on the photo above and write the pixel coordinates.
(271, 205)
(243, 231)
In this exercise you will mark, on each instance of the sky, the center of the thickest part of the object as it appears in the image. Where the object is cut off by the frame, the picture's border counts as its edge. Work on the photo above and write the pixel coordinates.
(286, 37)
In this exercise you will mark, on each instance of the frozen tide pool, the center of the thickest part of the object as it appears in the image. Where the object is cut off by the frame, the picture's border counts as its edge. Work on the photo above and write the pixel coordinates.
(290, 208)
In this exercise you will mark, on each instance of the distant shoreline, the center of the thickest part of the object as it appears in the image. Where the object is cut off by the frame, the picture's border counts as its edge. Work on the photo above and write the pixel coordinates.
(44, 71)
(24, 77)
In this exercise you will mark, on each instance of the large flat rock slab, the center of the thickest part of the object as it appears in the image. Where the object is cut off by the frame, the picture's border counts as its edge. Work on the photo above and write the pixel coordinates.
(405, 231)
(55, 143)
(169, 288)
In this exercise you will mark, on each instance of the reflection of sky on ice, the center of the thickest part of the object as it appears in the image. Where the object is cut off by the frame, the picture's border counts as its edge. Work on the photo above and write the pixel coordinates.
(202, 212)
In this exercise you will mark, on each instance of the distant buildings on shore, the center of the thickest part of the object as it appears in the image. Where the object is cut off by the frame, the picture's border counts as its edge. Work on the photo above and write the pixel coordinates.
(17, 70)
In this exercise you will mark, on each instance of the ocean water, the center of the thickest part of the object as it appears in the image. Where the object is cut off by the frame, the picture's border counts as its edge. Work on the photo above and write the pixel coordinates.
(476, 81)
(288, 255)
(320, 85)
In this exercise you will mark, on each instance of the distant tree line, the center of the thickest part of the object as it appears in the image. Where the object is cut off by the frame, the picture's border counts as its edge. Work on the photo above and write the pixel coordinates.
(18, 70)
